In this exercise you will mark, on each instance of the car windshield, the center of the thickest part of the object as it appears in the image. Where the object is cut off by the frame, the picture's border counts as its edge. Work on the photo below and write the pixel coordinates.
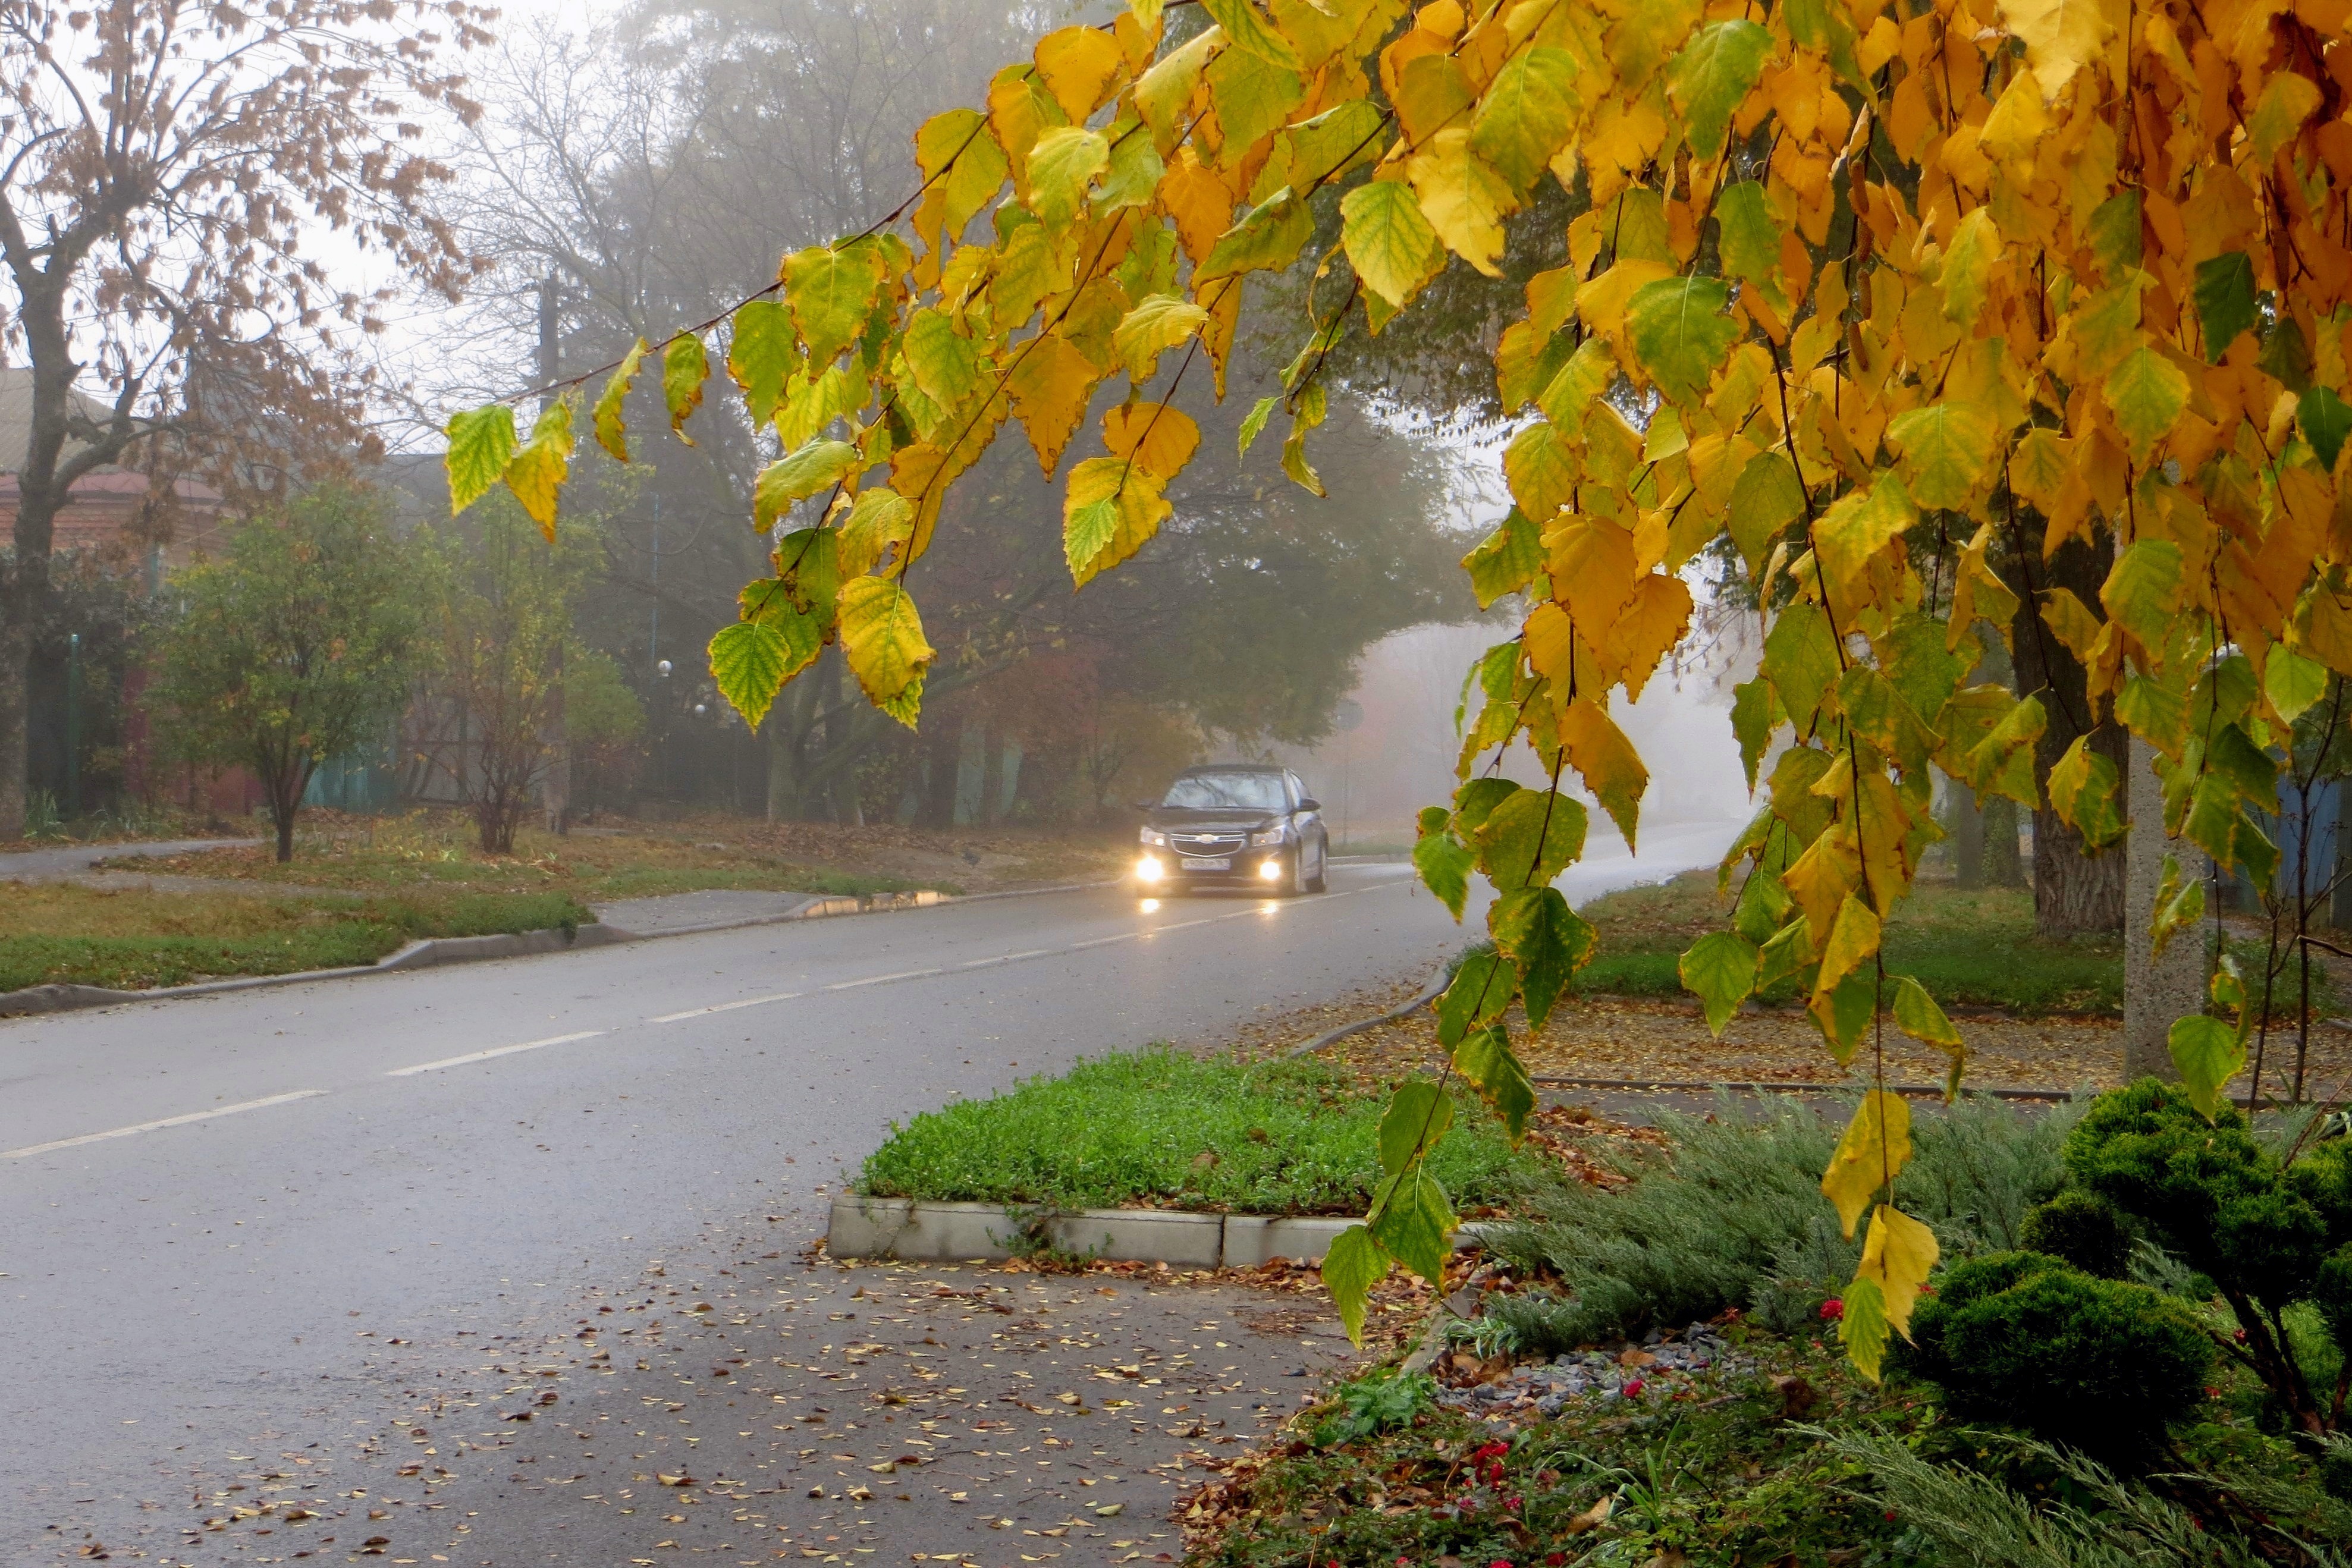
(1227, 792)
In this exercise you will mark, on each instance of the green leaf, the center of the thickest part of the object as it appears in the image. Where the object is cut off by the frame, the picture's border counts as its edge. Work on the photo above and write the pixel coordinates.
(1442, 860)
(760, 355)
(2225, 293)
(1251, 32)
(1546, 942)
(831, 292)
(685, 367)
(1720, 970)
(1765, 499)
(1487, 1063)
(1764, 902)
(1531, 838)
(1269, 238)
(1351, 1267)
(2232, 754)
(1967, 266)
(748, 661)
(2325, 421)
(2086, 793)
(1750, 240)
(1946, 447)
(612, 434)
(1526, 115)
(1507, 560)
(1418, 1115)
(2115, 234)
(2286, 357)
(1157, 324)
(945, 363)
(2179, 907)
(1680, 333)
(819, 465)
(2001, 763)
(810, 560)
(1388, 242)
(878, 519)
(1337, 139)
(2291, 682)
(2143, 590)
(1416, 1225)
(1788, 953)
(1800, 660)
(1481, 989)
(882, 637)
(1062, 164)
(1709, 80)
(1253, 97)
(481, 442)
(1862, 1329)
(2147, 393)
(2207, 1053)
(1253, 422)
(1916, 1015)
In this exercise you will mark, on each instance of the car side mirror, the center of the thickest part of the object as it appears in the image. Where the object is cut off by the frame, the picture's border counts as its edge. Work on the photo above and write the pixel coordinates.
(1310, 804)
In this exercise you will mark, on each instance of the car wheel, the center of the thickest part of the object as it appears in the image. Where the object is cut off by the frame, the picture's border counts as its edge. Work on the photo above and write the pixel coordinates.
(1322, 864)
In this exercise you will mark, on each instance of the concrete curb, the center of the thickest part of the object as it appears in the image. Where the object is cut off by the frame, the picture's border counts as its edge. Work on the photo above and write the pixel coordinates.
(918, 1232)
(1436, 983)
(421, 955)
(37, 999)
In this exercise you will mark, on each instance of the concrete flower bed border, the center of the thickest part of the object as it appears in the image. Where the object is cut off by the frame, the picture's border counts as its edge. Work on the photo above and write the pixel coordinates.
(919, 1231)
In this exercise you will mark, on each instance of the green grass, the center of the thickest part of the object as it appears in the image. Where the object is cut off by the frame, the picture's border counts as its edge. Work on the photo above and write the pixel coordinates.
(1160, 1128)
(1969, 949)
(57, 933)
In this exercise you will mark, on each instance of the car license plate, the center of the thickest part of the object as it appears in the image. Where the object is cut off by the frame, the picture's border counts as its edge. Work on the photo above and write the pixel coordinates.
(1223, 862)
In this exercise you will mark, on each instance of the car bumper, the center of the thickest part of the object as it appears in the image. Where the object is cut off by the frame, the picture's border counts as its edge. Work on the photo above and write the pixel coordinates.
(1162, 871)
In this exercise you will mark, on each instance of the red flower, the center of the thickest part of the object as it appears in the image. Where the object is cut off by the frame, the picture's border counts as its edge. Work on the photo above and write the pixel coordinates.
(1500, 1562)
(1513, 1502)
(1633, 1389)
(1555, 1560)
(1833, 1310)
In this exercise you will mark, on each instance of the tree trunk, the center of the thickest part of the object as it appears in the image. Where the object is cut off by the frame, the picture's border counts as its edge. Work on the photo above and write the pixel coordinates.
(1967, 837)
(784, 781)
(2003, 865)
(2156, 990)
(2073, 893)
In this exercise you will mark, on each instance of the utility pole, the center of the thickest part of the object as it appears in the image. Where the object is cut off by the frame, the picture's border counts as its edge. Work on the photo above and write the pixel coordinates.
(555, 789)
(73, 725)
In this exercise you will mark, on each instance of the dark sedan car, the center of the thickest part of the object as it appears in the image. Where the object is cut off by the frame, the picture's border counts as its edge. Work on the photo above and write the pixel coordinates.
(1234, 826)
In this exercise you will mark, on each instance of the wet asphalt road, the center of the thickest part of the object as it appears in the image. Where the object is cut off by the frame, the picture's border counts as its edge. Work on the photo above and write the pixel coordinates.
(242, 1236)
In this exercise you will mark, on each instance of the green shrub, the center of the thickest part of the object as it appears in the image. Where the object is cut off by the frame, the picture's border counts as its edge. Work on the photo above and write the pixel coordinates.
(1734, 1218)
(2022, 1339)
(1375, 1404)
(2229, 1206)
(2084, 1229)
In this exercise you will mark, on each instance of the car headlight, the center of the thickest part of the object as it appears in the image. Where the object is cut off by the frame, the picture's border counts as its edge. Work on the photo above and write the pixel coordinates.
(1150, 868)
(1154, 836)
(1278, 834)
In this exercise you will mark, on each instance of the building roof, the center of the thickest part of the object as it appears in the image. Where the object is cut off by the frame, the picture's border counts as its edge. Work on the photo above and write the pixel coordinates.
(16, 415)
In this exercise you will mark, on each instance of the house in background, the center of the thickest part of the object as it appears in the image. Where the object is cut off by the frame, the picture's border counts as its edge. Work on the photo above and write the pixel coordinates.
(115, 538)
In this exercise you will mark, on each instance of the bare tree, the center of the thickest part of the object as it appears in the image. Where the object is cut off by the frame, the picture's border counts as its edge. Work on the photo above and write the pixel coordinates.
(162, 165)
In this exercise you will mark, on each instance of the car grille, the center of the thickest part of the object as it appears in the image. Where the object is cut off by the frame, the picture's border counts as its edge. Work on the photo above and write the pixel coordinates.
(1206, 844)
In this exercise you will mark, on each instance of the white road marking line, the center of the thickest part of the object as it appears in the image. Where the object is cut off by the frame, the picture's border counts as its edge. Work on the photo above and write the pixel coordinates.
(1258, 909)
(725, 1007)
(878, 980)
(485, 1055)
(159, 1125)
(1004, 958)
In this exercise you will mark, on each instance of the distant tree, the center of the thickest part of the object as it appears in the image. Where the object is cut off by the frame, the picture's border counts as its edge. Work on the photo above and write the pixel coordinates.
(501, 607)
(166, 168)
(294, 644)
(605, 723)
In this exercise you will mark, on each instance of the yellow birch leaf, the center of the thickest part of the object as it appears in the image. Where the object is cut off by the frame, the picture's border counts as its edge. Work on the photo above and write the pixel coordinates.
(1050, 385)
(1875, 1147)
(882, 637)
(1078, 64)
(1161, 438)
(2061, 36)
(1897, 1255)
(1462, 198)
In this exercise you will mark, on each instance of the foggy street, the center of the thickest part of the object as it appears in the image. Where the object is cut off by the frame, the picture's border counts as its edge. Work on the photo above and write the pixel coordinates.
(242, 1226)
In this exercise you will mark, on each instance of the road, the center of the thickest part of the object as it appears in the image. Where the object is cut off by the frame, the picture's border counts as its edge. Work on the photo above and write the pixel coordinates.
(255, 1224)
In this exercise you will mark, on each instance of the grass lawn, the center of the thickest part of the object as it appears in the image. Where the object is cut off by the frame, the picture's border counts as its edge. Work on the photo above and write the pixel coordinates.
(437, 850)
(1162, 1129)
(59, 933)
(1969, 950)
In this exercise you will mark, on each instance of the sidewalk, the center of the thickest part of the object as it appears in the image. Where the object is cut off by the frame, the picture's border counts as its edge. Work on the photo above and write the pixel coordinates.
(64, 862)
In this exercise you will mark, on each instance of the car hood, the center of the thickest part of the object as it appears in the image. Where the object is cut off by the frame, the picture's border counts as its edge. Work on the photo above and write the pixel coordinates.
(1178, 819)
